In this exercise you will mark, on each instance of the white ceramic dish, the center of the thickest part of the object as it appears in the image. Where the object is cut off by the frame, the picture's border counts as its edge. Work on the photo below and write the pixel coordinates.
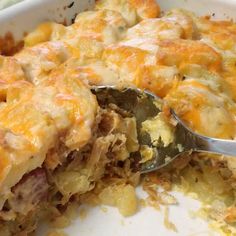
(7, 3)
(24, 17)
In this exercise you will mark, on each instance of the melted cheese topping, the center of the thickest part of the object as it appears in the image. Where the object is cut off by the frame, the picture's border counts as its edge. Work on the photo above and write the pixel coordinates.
(35, 118)
(44, 90)
(10, 71)
(104, 25)
(131, 10)
(156, 29)
(181, 52)
(184, 19)
(198, 105)
(156, 53)
(124, 60)
(38, 61)
(159, 79)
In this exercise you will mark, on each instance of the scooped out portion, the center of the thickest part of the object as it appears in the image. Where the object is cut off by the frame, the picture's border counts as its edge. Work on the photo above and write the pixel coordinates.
(56, 145)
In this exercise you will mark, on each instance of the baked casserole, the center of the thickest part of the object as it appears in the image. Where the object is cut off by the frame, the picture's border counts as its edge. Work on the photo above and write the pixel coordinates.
(60, 147)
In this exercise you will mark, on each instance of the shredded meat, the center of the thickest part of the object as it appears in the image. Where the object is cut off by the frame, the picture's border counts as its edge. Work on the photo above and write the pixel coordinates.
(32, 189)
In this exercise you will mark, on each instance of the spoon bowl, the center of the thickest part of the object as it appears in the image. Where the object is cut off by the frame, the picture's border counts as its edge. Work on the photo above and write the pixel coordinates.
(144, 105)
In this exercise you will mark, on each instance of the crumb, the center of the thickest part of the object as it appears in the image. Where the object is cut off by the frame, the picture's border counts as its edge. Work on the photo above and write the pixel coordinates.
(152, 203)
(122, 222)
(104, 209)
(142, 203)
(56, 233)
(83, 213)
(168, 224)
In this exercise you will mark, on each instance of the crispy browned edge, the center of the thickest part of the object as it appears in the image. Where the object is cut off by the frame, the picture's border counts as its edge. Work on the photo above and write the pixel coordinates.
(9, 46)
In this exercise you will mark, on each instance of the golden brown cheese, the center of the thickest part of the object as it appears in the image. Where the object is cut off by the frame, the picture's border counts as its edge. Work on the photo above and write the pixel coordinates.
(10, 71)
(35, 118)
(45, 32)
(131, 10)
(222, 40)
(152, 54)
(221, 36)
(184, 19)
(206, 26)
(104, 25)
(93, 73)
(156, 29)
(145, 8)
(181, 52)
(125, 60)
(178, 52)
(26, 136)
(198, 105)
(73, 107)
(158, 79)
(88, 35)
(89, 47)
(230, 85)
(38, 61)
(139, 67)
(156, 64)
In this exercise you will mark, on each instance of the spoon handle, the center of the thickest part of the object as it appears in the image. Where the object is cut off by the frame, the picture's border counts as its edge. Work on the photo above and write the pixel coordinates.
(213, 145)
(199, 143)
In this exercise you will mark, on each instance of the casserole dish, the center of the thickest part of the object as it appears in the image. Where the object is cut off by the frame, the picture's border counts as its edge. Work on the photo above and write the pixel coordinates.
(64, 13)
(56, 11)
(7, 3)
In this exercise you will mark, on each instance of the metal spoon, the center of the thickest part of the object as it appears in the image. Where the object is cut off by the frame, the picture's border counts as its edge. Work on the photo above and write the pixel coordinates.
(143, 105)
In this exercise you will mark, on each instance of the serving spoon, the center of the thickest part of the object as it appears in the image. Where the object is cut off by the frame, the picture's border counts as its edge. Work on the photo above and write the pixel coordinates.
(144, 105)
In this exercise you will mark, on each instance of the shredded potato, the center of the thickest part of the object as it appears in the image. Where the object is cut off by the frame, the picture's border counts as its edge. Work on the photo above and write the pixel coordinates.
(123, 197)
(168, 224)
